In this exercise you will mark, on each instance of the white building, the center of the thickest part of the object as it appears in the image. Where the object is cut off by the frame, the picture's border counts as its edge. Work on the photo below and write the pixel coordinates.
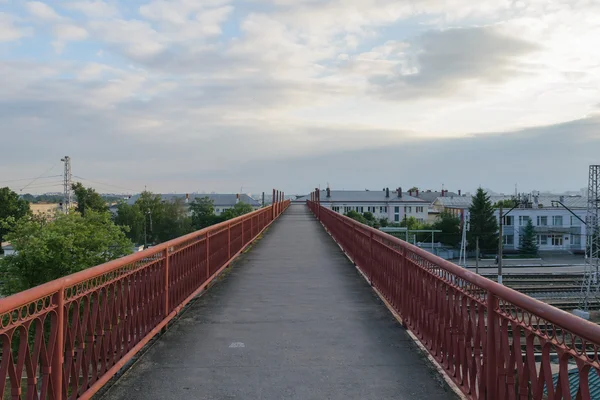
(394, 206)
(556, 227)
(7, 248)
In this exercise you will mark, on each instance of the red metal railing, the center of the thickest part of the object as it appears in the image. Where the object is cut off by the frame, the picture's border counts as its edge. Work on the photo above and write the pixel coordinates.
(493, 342)
(68, 337)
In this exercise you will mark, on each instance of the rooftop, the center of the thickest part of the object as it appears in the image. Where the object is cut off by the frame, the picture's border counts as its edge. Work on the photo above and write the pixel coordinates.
(367, 196)
(544, 200)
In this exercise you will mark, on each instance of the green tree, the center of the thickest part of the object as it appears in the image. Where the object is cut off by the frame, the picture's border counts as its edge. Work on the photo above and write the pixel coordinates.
(11, 207)
(152, 220)
(356, 216)
(411, 223)
(483, 223)
(450, 227)
(383, 222)
(237, 210)
(506, 203)
(203, 213)
(88, 199)
(528, 242)
(174, 221)
(48, 248)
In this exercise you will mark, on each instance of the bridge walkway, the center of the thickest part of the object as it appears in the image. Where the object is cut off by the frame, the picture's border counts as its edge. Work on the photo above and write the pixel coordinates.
(292, 319)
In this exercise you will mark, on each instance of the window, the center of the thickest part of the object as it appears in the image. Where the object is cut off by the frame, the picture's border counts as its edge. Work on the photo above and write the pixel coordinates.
(407, 209)
(419, 209)
(381, 210)
(396, 210)
(509, 220)
(557, 220)
(557, 240)
(359, 209)
(575, 221)
(509, 240)
(396, 214)
(576, 239)
(217, 210)
(385, 209)
(523, 220)
(346, 209)
(542, 221)
(336, 208)
(542, 240)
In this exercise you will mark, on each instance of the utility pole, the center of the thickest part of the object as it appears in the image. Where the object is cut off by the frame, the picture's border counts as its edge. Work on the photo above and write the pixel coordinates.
(477, 255)
(67, 184)
(147, 213)
(500, 247)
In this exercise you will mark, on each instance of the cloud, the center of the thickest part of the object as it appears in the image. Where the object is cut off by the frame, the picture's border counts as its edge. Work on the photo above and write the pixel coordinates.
(94, 9)
(42, 11)
(67, 33)
(10, 30)
(440, 63)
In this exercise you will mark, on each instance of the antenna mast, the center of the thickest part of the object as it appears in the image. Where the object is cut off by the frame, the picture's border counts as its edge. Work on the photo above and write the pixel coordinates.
(67, 184)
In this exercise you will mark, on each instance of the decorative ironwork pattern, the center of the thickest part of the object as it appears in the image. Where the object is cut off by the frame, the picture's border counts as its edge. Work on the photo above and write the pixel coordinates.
(66, 338)
(493, 342)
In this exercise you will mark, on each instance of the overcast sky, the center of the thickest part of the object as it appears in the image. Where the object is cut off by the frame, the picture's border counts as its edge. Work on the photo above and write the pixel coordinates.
(214, 95)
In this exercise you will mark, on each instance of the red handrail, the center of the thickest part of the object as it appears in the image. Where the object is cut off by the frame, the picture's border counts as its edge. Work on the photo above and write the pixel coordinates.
(68, 337)
(513, 351)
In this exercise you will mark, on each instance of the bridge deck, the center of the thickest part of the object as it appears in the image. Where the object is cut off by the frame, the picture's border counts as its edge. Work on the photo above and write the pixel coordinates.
(292, 320)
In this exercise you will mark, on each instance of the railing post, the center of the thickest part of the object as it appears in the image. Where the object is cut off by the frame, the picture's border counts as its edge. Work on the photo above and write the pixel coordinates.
(58, 354)
(251, 227)
(273, 206)
(490, 367)
(228, 241)
(371, 263)
(208, 254)
(166, 281)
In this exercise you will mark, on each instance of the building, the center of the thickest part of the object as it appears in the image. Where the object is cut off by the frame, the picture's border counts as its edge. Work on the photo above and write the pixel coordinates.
(557, 229)
(394, 206)
(221, 202)
(7, 248)
(430, 197)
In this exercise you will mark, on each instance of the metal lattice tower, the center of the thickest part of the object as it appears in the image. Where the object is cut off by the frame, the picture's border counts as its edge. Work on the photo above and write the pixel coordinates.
(67, 184)
(591, 281)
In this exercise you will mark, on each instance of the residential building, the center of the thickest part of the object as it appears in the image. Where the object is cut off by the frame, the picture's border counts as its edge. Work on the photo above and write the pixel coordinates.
(393, 206)
(556, 228)
(430, 197)
(221, 202)
(7, 248)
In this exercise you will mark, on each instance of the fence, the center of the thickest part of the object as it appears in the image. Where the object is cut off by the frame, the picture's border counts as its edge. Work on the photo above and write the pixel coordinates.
(68, 337)
(493, 342)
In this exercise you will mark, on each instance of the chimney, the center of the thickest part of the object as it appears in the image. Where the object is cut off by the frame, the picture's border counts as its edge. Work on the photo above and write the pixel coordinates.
(417, 192)
(562, 199)
(328, 192)
(237, 198)
(399, 192)
(442, 192)
(187, 198)
(410, 192)
(459, 192)
(387, 192)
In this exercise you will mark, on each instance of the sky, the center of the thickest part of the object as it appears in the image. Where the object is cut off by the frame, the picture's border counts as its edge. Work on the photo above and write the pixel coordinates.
(227, 95)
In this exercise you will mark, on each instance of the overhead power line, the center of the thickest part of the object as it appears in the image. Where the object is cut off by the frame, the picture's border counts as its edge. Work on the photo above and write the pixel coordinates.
(39, 177)
(29, 179)
(106, 184)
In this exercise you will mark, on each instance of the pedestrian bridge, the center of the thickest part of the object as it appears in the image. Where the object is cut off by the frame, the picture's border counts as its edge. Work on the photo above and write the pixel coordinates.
(270, 306)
